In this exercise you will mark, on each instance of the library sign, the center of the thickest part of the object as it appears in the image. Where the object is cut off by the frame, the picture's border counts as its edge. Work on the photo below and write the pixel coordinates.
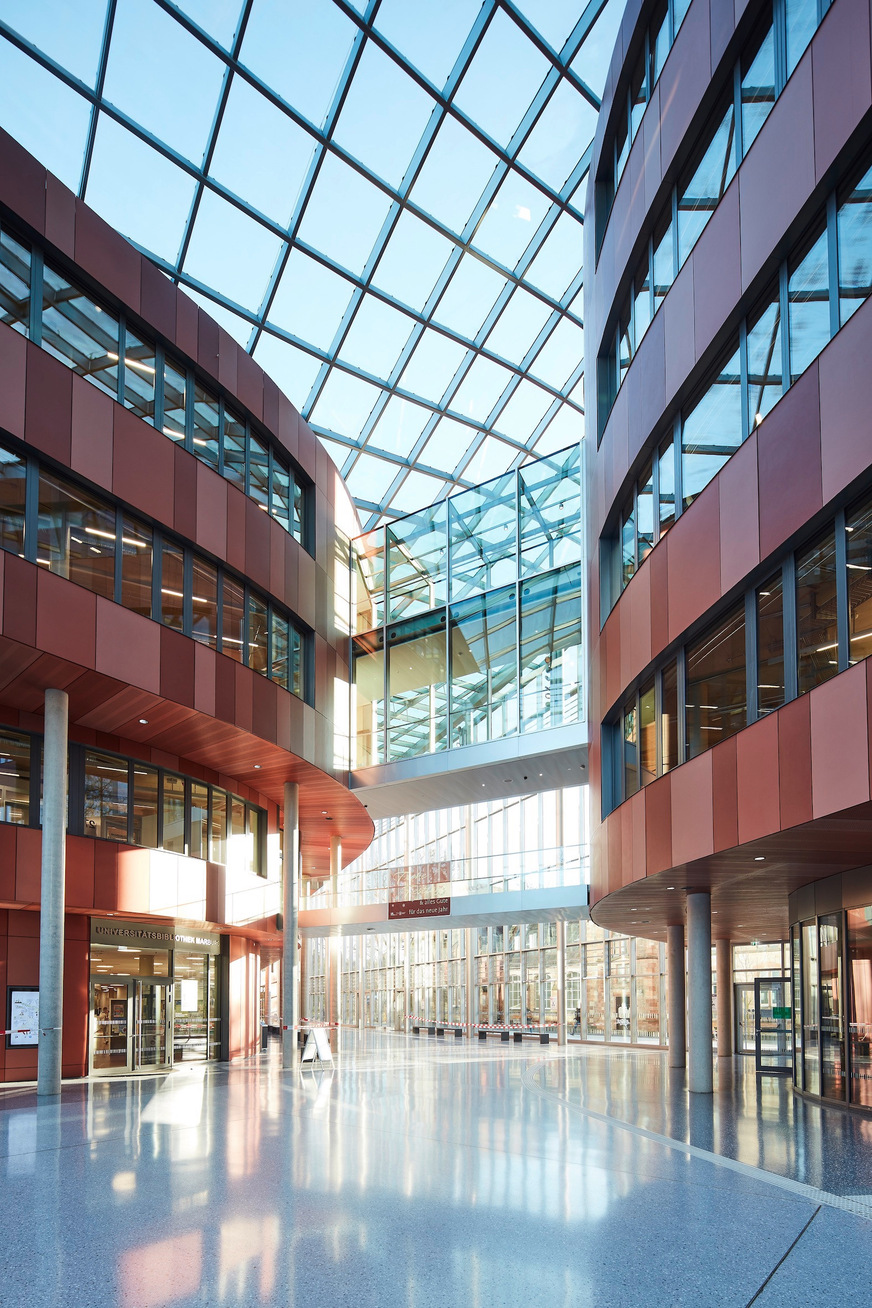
(153, 935)
(418, 908)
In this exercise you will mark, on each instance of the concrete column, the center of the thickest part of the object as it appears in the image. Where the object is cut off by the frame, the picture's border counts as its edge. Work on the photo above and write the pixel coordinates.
(361, 983)
(291, 1006)
(407, 981)
(724, 960)
(335, 945)
(675, 995)
(471, 996)
(699, 992)
(561, 983)
(52, 893)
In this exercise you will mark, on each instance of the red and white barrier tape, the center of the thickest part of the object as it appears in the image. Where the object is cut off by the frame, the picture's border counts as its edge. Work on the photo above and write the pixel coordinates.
(483, 1026)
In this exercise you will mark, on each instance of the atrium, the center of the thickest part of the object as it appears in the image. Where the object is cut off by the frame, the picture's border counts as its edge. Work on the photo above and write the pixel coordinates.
(435, 703)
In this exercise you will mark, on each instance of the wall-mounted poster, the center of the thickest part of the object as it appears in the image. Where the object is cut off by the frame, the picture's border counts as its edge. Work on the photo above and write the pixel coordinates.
(22, 1016)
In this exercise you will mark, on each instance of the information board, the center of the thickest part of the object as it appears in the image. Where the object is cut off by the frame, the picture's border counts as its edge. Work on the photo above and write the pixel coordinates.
(419, 908)
(23, 1017)
(317, 1046)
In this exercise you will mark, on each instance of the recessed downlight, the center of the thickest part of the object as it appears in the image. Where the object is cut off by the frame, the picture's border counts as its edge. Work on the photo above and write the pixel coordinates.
(143, 722)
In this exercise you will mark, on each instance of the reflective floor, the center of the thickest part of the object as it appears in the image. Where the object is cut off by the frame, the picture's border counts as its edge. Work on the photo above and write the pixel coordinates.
(417, 1173)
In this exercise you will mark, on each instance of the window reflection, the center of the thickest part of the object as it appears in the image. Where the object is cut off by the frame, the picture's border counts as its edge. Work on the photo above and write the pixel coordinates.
(770, 646)
(13, 485)
(175, 401)
(716, 692)
(145, 806)
(551, 649)
(701, 193)
(816, 620)
(14, 283)
(417, 686)
(79, 332)
(15, 778)
(206, 437)
(484, 668)
(855, 247)
(76, 535)
(172, 586)
(204, 624)
(758, 86)
(808, 297)
(140, 366)
(105, 796)
(858, 540)
(712, 430)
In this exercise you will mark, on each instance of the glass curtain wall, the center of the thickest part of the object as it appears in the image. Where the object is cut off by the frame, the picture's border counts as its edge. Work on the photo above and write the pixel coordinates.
(477, 602)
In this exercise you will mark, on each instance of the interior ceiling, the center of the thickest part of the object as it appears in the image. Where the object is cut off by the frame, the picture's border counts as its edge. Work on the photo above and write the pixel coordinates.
(380, 199)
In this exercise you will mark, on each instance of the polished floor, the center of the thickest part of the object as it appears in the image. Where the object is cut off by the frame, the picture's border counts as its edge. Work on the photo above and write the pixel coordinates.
(423, 1174)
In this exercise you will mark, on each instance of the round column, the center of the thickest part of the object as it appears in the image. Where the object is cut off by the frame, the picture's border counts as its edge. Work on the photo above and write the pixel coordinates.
(335, 944)
(561, 983)
(291, 923)
(676, 999)
(724, 964)
(52, 893)
(699, 992)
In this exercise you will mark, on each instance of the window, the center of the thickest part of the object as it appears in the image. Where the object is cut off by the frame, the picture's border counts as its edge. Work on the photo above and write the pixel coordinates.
(172, 586)
(765, 379)
(175, 402)
(628, 543)
(858, 538)
(701, 192)
(258, 635)
(14, 283)
(630, 752)
(855, 247)
(204, 625)
(818, 651)
(802, 19)
(79, 332)
(770, 646)
(647, 734)
(145, 805)
(758, 85)
(15, 769)
(76, 536)
(666, 497)
(258, 473)
(669, 717)
(105, 796)
(173, 814)
(808, 296)
(13, 479)
(206, 438)
(234, 449)
(140, 367)
(715, 691)
(712, 431)
(199, 821)
(232, 618)
(218, 828)
(645, 514)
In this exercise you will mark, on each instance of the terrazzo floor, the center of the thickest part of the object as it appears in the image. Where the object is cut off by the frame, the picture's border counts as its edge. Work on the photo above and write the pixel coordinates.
(421, 1173)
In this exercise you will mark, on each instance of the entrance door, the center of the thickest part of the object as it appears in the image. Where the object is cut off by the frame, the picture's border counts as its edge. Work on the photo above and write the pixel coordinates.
(746, 1014)
(774, 1027)
(152, 1041)
(110, 1025)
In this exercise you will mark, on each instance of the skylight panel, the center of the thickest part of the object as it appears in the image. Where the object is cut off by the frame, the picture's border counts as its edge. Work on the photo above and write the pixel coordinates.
(469, 296)
(376, 337)
(49, 119)
(344, 215)
(291, 368)
(138, 191)
(518, 325)
(345, 403)
(300, 50)
(562, 133)
(429, 33)
(525, 409)
(502, 79)
(561, 355)
(433, 365)
(591, 63)
(229, 249)
(384, 115)
(71, 34)
(370, 478)
(163, 77)
(511, 220)
(399, 426)
(454, 174)
(480, 389)
(412, 261)
(261, 154)
(448, 445)
(558, 261)
(310, 300)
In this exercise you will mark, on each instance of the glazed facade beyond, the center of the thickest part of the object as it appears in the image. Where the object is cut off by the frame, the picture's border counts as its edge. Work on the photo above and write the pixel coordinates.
(194, 608)
(784, 798)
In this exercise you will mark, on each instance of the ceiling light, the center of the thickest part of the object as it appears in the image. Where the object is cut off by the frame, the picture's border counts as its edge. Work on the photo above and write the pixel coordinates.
(670, 887)
(760, 858)
(258, 766)
(143, 722)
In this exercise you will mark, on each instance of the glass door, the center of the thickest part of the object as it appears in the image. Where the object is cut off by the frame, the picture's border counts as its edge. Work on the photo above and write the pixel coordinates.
(746, 1018)
(773, 1031)
(110, 1025)
(152, 1034)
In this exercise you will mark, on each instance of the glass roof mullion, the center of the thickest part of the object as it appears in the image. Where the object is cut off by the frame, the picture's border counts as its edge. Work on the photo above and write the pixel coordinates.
(98, 90)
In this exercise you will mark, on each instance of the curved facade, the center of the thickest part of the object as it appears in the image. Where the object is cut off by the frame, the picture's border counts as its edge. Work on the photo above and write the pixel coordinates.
(175, 559)
(729, 472)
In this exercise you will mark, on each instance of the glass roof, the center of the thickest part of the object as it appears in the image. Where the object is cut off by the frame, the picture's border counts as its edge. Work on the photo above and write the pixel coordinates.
(381, 200)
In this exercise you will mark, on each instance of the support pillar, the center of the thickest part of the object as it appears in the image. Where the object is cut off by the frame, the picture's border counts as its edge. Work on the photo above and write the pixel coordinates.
(291, 1006)
(52, 893)
(724, 961)
(471, 996)
(561, 983)
(407, 980)
(361, 983)
(335, 945)
(699, 992)
(675, 995)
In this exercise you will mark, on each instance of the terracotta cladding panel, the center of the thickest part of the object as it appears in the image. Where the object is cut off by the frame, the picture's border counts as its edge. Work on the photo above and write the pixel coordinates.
(613, 854)
(694, 562)
(789, 462)
(638, 867)
(187, 325)
(7, 863)
(634, 609)
(840, 742)
(725, 807)
(211, 510)
(646, 386)
(207, 343)
(227, 352)
(629, 211)
(28, 851)
(651, 147)
(307, 445)
(23, 182)
(263, 708)
(236, 510)
(739, 521)
(19, 599)
(91, 433)
(722, 20)
(692, 813)
(717, 279)
(249, 382)
(66, 619)
(60, 216)
(842, 79)
(244, 693)
(111, 261)
(794, 762)
(845, 403)
(658, 825)
(143, 466)
(14, 352)
(288, 430)
(758, 783)
(158, 300)
(784, 149)
(128, 646)
(270, 404)
(685, 78)
(80, 872)
(48, 414)
(184, 493)
(176, 667)
(225, 689)
(257, 545)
